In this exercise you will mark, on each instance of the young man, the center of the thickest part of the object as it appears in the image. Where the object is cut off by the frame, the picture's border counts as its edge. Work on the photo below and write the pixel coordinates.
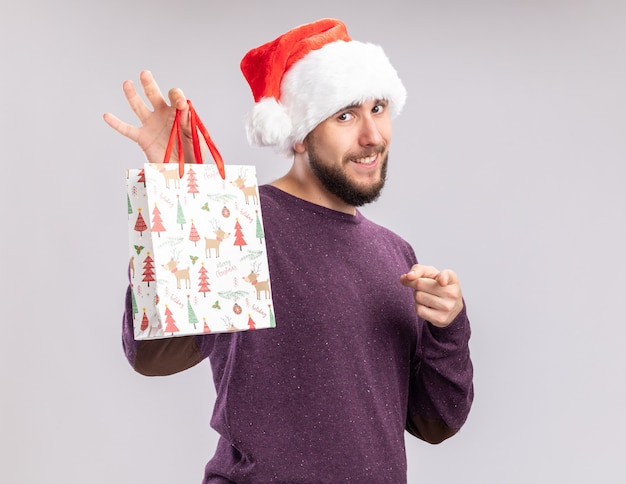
(367, 343)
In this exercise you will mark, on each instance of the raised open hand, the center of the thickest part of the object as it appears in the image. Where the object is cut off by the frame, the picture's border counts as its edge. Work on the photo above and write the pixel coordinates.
(153, 134)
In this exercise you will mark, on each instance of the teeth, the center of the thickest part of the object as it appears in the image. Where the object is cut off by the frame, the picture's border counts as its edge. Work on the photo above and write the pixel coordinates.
(366, 161)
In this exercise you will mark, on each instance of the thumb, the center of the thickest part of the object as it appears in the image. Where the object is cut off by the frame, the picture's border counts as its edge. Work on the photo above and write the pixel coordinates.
(177, 98)
(447, 277)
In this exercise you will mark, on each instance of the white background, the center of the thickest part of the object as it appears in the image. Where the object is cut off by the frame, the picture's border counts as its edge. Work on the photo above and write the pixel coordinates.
(508, 165)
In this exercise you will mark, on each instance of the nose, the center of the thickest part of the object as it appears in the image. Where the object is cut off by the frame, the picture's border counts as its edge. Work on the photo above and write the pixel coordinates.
(370, 132)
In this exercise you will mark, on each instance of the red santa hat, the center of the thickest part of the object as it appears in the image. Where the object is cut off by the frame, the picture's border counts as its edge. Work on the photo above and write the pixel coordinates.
(308, 74)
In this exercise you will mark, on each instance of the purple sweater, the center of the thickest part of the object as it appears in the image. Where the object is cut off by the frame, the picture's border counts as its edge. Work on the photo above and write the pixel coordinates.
(326, 395)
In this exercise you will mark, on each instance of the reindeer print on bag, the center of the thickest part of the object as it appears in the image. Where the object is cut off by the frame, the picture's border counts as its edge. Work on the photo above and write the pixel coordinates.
(170, 175)
(180, 274)
(248, 191)
(214, 244)
(262, 287)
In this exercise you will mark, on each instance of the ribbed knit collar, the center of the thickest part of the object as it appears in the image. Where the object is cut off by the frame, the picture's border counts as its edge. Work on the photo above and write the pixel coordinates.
(304, 205)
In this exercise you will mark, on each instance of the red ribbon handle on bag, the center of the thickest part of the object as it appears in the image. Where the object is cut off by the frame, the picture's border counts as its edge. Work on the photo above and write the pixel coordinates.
(176, 137)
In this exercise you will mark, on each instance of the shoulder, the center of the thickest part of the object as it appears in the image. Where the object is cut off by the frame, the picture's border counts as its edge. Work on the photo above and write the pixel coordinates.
(384, 233)
(271, 197)
(386, 241)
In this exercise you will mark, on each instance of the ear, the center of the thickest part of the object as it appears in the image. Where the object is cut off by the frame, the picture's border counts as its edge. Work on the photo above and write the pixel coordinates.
(299, 148)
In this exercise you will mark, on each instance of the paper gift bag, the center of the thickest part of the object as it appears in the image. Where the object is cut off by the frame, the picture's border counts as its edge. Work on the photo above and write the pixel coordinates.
(198, 262)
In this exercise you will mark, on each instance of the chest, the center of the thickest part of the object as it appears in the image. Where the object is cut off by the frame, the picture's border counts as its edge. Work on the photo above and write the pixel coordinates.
(338, 286)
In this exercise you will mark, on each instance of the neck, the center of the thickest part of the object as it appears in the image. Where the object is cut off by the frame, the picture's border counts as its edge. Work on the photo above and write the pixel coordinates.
(301, 182)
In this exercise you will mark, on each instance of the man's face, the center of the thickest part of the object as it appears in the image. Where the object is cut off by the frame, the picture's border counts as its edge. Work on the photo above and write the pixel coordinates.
(348, 152)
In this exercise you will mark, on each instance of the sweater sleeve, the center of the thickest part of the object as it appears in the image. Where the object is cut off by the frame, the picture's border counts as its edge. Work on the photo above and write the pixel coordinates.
(441, 388)
(160, 356)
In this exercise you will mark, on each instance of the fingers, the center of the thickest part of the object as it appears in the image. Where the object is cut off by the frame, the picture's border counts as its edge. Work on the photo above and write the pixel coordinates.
(430, 280)
(137, 105)
(436, 303)
(134, 101)
(420, 270)
(155, 121)
(428, 299)
(417, 272)
(151, 90)
(438, 297)
(121, 127)
(437, 317)
(153, 94)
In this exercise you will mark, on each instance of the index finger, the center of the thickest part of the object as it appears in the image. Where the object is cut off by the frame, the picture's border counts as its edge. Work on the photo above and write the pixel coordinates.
(419, 271)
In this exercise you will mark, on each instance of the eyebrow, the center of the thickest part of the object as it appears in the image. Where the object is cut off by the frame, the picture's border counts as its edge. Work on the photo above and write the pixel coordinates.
(357, 105)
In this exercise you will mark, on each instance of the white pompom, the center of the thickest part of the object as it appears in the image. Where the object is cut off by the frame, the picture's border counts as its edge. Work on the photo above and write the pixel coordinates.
(268, 124)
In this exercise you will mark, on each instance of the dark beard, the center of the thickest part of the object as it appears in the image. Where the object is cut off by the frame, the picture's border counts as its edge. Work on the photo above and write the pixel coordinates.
(336, 182)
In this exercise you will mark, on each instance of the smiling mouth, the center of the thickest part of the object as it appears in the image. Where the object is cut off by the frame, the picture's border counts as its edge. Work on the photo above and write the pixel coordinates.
(367, 160)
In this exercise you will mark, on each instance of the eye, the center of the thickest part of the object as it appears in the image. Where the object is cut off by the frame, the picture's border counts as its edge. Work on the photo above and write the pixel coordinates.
(345, 116)
(380, 107)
